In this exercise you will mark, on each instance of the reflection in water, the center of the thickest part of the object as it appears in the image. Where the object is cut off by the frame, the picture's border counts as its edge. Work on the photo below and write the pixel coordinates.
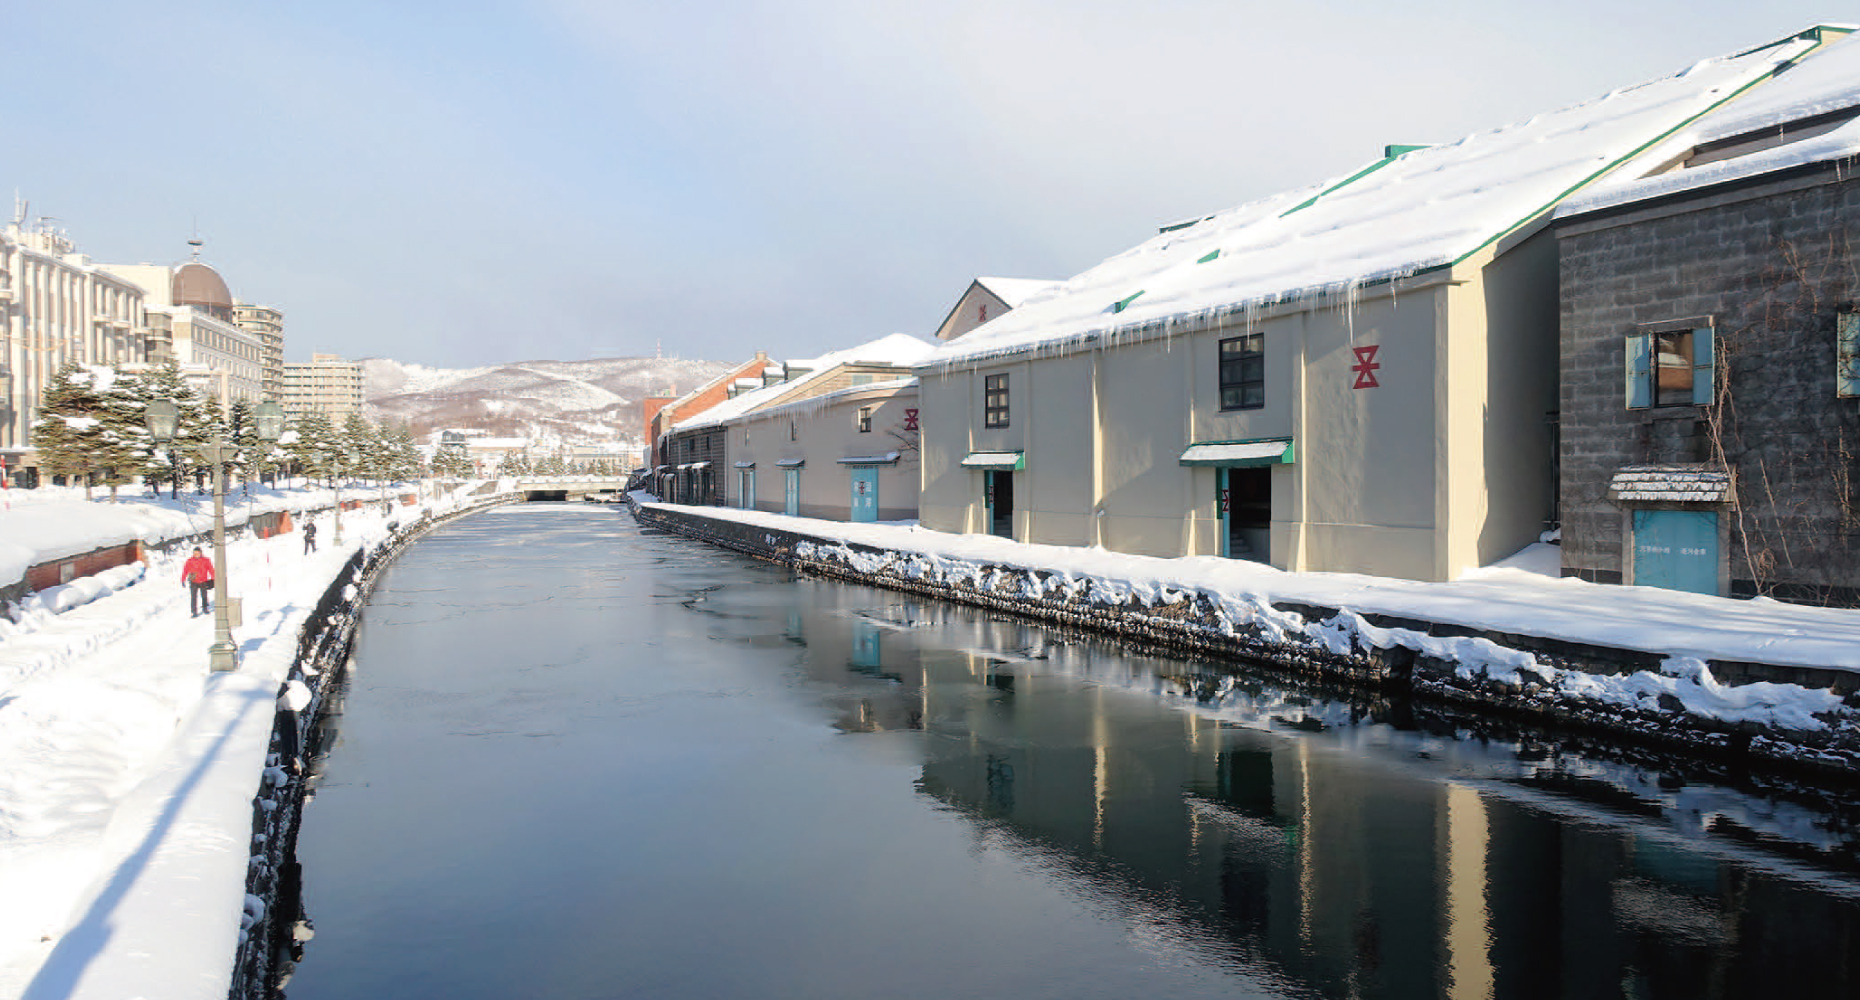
(745, 784)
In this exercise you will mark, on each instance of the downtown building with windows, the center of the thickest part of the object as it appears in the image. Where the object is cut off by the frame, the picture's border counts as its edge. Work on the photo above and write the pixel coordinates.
(191, 309)
(267, 325)
(1357, 376)
(57, 306)
(325, 384)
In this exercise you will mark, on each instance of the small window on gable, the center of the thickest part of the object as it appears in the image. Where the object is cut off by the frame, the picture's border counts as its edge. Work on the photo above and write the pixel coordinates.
(1847, 354)
(1672, 367)
(865, 420)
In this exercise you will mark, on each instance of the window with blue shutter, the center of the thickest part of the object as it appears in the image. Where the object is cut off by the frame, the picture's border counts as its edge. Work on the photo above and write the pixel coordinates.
(1847, 354)
(1671, 368)
(1704, 367)
(1639, 385)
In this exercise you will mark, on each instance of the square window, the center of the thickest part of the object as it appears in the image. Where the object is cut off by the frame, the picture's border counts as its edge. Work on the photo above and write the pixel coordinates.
(1667, 368)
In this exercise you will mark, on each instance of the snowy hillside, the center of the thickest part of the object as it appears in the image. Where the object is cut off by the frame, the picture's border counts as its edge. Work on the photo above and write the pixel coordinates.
(568, 401)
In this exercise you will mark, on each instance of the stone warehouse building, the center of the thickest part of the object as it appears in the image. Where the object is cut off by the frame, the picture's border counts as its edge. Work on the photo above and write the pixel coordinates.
(828, 440)
(1356, 376)
(1710, 354)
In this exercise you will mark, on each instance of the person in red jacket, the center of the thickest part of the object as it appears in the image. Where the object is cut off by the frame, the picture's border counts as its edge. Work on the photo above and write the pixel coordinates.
(197, 575)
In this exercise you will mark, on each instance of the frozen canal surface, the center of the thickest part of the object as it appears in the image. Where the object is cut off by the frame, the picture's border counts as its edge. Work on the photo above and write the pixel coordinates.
(582, 761)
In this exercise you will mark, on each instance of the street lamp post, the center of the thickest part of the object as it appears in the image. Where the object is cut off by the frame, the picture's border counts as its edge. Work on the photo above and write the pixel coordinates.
(164, 419)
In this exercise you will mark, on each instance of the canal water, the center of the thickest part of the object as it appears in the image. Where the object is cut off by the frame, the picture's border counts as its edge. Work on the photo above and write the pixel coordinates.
(579, 760)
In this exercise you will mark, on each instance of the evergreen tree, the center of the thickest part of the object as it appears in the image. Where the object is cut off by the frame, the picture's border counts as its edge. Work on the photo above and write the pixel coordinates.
(123, 441)
(199, 418)
(404, 454)
(67, 431)
(316, 447)
(359, 438)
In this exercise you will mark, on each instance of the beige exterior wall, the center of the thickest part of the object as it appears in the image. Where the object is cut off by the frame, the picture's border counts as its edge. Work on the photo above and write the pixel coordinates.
(57, 306)
(325, 383)
(266, 324)
(1445, 465)
(222, 361)
(821, 434)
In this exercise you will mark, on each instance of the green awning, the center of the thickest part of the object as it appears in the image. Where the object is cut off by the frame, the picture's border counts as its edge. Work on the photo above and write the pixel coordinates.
(1015, 460)
(1239, 454)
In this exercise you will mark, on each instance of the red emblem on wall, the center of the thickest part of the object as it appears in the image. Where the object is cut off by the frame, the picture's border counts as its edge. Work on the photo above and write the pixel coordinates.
(1365, 367)
(910, 419)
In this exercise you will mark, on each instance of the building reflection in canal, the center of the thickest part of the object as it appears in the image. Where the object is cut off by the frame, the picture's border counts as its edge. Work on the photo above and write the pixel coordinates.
(582, 761)
(1339, 843)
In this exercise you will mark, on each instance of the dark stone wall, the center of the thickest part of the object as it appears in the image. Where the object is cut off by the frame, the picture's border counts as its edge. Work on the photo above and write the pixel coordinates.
(1772, 264)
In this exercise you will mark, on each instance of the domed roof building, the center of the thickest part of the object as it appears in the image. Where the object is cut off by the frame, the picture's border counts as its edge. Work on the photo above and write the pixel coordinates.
(195, 284)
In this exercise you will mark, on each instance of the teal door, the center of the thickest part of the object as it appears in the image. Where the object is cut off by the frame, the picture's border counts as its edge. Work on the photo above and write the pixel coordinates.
(1677, 550)
(864, 493)
(791, 492)
(746, 489)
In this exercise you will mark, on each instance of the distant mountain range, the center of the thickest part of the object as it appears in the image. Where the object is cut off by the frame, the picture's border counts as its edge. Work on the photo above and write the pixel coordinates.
(566, 402)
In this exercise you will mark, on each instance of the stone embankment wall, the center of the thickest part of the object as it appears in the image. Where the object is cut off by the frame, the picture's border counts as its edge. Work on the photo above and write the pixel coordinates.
(1544, 679)
(273, 887)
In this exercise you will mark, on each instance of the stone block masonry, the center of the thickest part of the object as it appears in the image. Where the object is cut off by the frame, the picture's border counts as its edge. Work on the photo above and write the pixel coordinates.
(1571, 685)
(1768, 265)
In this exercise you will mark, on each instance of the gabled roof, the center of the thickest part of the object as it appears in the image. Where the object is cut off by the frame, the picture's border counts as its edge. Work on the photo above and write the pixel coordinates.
(899, 350)
(1014, 291)
(1011, 292)
(672, 408)
(1414, 210)
(1809, 114)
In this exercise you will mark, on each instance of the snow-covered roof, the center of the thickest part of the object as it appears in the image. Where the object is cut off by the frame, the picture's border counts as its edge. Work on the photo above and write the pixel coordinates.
(1014, 291)
(1409, 212)
(897, 350)
(1826, 82)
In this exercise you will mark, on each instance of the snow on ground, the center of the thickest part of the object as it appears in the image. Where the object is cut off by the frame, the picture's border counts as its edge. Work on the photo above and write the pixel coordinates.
(1519, 595)
(127, 769)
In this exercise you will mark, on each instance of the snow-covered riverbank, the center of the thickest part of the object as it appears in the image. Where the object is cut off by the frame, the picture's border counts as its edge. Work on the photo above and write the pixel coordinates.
(1773, 677)
(127, 770)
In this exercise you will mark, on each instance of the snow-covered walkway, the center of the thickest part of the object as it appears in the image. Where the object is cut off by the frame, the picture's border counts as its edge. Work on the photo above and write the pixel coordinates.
(127, 769)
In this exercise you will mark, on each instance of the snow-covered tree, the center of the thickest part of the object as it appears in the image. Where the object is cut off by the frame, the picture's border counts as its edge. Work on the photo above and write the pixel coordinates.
(199, 418)
(361, 439)
(67, 433)
(404, 456)
(316, 448)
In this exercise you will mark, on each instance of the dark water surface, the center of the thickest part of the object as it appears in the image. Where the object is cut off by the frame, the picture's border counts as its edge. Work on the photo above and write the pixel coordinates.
(582, 761)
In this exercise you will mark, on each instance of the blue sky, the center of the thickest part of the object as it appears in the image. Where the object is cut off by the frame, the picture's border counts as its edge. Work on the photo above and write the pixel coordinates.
(468, 183)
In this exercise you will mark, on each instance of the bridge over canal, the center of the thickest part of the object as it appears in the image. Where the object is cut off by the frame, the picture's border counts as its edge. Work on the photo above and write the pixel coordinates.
(567, 487)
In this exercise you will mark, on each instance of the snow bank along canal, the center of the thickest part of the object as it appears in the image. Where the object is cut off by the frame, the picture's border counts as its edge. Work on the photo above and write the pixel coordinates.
(580, 759)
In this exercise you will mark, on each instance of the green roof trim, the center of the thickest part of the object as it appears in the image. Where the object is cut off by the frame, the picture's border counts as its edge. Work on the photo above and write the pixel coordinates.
(1210, 255)
(1346, 182)
(1814, 34)
(1124, 303)
(1391, 152)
